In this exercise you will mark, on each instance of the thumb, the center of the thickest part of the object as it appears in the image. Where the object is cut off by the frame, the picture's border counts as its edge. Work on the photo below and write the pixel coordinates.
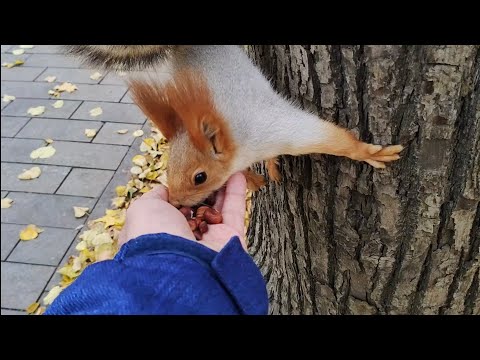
(158, 192)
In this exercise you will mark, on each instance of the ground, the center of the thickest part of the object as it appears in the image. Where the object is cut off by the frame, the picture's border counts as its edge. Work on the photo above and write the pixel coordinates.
(83, 172)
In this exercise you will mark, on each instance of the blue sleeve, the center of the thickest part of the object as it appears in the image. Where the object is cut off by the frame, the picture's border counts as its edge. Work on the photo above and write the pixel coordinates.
(161, 274)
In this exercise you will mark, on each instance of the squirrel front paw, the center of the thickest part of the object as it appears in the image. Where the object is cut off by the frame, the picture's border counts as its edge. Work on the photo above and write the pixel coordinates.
(377, 155)
(272, 168)
(254, 181)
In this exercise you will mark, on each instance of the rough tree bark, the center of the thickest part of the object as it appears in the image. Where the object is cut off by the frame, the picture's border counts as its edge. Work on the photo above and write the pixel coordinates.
(338, 237)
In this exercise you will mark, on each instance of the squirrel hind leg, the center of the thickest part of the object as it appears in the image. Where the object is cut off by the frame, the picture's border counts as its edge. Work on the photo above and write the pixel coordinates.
(273, 171)
(254, 181)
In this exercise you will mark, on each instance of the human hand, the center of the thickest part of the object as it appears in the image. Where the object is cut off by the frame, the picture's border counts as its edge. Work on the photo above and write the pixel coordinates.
(152, 214)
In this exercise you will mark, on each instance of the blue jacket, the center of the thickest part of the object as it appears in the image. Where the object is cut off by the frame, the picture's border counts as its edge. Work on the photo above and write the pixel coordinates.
(164, 274)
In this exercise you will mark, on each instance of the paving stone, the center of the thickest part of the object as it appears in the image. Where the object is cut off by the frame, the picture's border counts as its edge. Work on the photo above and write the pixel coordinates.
(13, 312)
(44, 49)
(47, 182)
(20, 73)
(45, 210)
(56, 278)
(69, 130)
(19, 107)
(89, 92)
(75, 154)
(10, 58)
(75, 76)
(4, 193)
(113, 79)
(127, 98)
(22, 284)
(9, 237)
(79, 182)
(22, 89)
(4, 104)
(112, 112)
(52, 60)
(47, 249)
(109, 135)
(5, 48)
(11, 125)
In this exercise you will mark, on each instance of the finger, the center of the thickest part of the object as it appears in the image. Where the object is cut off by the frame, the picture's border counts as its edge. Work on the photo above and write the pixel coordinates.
(219, 199)
(233, 210)
(159, 192)
(376, 164)
(386, 158)
(390, 150)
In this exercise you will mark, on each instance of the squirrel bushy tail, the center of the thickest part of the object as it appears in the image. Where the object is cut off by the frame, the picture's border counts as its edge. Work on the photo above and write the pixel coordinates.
(123, 57)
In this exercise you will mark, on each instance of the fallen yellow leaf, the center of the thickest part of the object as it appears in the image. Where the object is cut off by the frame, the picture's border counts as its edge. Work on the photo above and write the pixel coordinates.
(152, 175)
(50, 79)
(30, 174)
(104, 252)
(48, 141)
(139, 160)
(66, 86)
(18, 52)
(121, 190)
(96, 112)
(32, 308)
(145, 189)
(138, 133)
(122, 131)
(77, 264)
(6, 203)
(90, 133)
(58, 104)
(8, 98)
(43, 153)
(26, 46)
(40, 310)
(11, 65)
(30, 232)
(118, 202)
(36, 111)
(80, 211)
(52, 295)
(136, 170)
(96, 76)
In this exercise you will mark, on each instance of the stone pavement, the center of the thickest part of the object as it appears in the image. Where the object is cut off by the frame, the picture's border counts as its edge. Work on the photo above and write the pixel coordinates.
(83, 172)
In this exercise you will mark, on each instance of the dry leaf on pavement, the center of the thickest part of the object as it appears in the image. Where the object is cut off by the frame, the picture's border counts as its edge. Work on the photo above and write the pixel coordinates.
(58, 104)
(30, 174)
(66, 86)
(138, 133)
(6, 203)
(50, 79)
(36, 111)
(43, 153)
(80, 211)
(96, 76)
(30, 232)
(8, 98)
(47, 300)
(18, 52)
(90, 133)
(96, 111)
(122, 131)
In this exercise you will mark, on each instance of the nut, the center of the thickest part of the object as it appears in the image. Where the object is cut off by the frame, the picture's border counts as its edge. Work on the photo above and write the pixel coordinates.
(193, 224)
(198, 234)
(212, 216)
(203, 227)
(200, 211)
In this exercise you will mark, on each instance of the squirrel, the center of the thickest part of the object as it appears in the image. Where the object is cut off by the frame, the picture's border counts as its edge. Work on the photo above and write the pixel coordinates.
(221, 115)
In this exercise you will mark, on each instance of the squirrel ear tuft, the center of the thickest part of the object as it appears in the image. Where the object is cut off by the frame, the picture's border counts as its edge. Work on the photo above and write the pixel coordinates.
(154, 103)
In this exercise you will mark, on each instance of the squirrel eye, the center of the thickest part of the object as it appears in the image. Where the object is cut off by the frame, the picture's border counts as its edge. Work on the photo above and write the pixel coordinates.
(200, 178)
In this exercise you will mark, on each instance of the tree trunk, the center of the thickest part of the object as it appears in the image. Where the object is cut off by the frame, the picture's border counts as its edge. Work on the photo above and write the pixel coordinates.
(339, 237)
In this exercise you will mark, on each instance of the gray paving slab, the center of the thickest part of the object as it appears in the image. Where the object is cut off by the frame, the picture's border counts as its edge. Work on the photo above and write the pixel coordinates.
(79, 182)
(58, 129)
(111, 112)
(45, 210)
(11, 125)
(47, 249)
(22, 284)
(48, 181)
(75, 154)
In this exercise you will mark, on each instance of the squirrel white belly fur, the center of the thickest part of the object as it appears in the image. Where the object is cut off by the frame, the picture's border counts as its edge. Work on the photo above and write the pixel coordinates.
(221, 115)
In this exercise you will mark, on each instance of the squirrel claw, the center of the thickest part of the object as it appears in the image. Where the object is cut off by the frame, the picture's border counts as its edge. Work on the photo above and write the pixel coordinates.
(377, 156)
